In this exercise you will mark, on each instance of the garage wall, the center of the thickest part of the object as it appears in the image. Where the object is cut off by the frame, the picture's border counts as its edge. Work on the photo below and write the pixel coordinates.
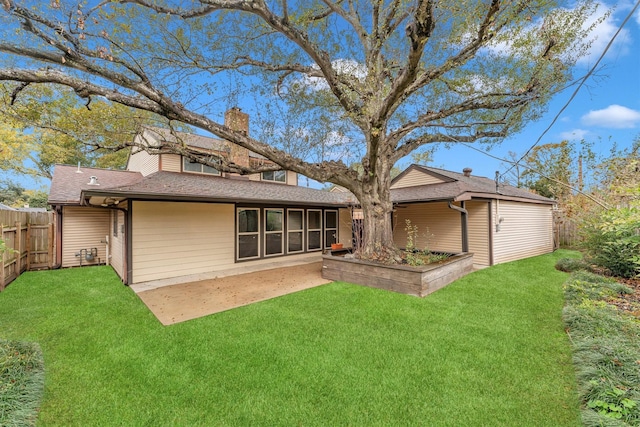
(526, 230)
(478, 223)
(176, 239)
(84, 228)
(439, 228)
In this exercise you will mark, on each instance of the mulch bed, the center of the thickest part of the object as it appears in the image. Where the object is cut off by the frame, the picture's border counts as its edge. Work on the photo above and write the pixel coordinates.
(629, 302)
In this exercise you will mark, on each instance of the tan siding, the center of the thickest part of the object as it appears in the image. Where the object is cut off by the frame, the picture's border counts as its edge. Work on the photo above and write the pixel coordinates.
(292, 178)
(116, 245)
(171, 163)
(414, 178)
(526, 230)
(439, 228)
(344, 228)
(143, 162)
(178, 239)
(83, 228)
(255, 177)
(479, 230)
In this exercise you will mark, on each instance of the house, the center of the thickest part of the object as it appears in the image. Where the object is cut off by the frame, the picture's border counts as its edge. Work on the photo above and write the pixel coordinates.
(459, 212)
(166, 217)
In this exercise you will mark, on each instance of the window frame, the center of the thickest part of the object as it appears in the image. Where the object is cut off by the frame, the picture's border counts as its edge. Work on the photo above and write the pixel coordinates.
(334, 229)
(238, 233)
(284, 176)
(266, 232)
(301, 230)
(202, 167)
(308, 230)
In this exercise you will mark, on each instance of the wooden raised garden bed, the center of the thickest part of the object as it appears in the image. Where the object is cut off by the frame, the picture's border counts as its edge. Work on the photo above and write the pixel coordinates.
(418, 281)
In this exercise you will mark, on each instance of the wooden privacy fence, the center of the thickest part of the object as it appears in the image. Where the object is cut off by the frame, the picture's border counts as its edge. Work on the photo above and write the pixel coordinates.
(29, 243)
(565, 231)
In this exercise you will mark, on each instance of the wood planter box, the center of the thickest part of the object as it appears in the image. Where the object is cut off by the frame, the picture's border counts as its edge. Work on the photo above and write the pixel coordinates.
(418, 281)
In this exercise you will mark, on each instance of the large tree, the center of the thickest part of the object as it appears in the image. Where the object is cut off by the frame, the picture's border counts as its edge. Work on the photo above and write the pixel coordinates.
(49, 125)
(327, 82)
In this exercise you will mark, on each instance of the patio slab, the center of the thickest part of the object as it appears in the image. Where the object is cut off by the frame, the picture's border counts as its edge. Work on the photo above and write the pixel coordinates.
(180, 302)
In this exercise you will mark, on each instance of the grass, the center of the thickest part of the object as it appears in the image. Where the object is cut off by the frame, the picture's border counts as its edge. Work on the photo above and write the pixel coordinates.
(606, 345)
(21, 382)
(489, 349)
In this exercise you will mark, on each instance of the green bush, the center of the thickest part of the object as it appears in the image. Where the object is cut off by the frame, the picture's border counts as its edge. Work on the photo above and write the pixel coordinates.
(612, 240)
(570, 265)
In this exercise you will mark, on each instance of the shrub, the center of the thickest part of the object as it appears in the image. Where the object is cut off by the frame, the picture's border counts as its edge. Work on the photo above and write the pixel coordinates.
(612, 240)
(606, 351)
(570, 265)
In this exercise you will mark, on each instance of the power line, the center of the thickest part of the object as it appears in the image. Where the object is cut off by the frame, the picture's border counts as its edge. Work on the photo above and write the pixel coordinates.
(575, 92)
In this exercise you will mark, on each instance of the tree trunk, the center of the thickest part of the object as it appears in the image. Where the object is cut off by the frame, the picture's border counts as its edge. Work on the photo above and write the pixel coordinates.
(377, 209)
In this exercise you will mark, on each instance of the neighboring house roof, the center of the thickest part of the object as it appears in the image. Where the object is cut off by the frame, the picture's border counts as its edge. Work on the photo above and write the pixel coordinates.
(195, 187)
(458, 187)
(7, 208)
(69, 181)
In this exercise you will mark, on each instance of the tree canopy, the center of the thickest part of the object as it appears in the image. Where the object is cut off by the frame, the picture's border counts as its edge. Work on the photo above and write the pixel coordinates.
(326, 83)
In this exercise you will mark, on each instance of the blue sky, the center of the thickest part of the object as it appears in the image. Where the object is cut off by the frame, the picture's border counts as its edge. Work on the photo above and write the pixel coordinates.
(606, 109)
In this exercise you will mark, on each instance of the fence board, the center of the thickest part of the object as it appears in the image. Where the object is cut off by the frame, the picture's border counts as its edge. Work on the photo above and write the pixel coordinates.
(29, 240)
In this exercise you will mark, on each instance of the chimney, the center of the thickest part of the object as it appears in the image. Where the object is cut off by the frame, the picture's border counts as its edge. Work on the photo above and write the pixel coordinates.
(467, 171)
(238, 121)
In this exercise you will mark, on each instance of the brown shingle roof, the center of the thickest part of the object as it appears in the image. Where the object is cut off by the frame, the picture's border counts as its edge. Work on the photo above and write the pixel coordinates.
(67, 183)
(186, 186)
(460, 187)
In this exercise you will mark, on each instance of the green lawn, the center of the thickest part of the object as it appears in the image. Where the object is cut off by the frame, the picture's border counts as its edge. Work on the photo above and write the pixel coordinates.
(487, 350)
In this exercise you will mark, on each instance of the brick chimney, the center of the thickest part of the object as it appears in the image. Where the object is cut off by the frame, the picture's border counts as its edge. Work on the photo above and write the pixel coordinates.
(238, 121)
(467, 171)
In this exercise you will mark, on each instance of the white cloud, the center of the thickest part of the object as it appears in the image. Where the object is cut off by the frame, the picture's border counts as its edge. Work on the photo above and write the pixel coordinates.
(342, 66)
(603, 33)
(574, 135)
(614, 116)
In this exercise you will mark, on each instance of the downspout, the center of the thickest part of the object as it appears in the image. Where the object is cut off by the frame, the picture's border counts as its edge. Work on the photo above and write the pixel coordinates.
(463, 223)
(58, 211)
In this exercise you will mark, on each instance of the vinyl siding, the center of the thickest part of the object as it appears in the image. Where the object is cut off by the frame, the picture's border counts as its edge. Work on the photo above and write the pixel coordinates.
(439, 228)
(344, 228)
(479, 231)
(414, 178)
(83, 228)
(116, 244)
(143, 162)
(526, 231)
(177, 239)
(292, 178)
(171, 162)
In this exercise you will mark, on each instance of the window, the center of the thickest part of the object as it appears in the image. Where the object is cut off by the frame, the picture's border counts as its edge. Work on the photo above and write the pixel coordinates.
(189, 165)
(330, 228)
(248, 233)
(277, 176)
(273, 232)
(314, 229)
(295, 230)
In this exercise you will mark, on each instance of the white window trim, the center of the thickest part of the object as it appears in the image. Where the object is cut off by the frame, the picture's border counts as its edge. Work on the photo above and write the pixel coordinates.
(238, 234)
(186, 159)
(301, 230)
(282, 232)
(274, 180)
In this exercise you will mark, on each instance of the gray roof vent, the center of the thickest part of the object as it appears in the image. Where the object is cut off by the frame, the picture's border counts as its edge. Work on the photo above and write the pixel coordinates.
(467, 171)
(93, 181)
